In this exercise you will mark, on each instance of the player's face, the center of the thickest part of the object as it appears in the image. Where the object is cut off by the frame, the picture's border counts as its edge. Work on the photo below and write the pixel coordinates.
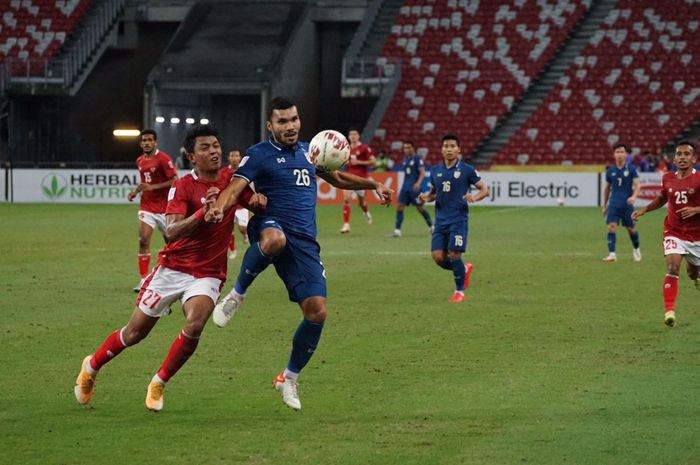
(408, 150)
(450, 150)
(685, 157)
(148, 143)
(620, 155)
(285, 125)
(234, 158)
(207, 154)
(354, 137)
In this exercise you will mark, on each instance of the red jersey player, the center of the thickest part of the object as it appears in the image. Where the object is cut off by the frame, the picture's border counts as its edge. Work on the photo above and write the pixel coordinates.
(361, 159)
(191, 267)
(157, 175)
(682, 225)
(242, 214)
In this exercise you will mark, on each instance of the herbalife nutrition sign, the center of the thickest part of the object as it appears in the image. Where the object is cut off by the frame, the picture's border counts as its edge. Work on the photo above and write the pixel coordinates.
(74, 186)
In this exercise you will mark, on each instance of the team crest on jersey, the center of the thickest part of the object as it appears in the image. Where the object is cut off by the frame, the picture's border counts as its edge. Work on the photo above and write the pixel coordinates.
(457, 174)
(153, 168)
(626, 173)
(203, 200)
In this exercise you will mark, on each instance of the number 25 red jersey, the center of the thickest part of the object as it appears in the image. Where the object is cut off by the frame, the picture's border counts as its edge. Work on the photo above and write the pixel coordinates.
(682, 192)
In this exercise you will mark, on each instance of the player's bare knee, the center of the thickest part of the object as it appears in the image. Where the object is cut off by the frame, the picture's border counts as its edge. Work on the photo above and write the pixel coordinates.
(273, 243)
(438, 257)
(672, 269)
(612, 227)
(144, 242)
(132, 336)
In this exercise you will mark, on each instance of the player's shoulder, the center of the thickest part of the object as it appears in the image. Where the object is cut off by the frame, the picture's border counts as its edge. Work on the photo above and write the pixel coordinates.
(185, 180)
(163, 155)
(668, 177)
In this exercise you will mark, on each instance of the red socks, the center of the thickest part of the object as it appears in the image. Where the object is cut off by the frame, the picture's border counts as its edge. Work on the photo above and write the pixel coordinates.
(670, 292)
(110, 348)
(144, 264)
(180, 351)
(232, 243)
(346, 213)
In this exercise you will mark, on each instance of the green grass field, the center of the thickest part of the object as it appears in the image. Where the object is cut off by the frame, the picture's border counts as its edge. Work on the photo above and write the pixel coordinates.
(556, 357)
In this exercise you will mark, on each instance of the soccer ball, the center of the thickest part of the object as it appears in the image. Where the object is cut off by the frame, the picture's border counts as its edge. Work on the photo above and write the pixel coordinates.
(329, 150)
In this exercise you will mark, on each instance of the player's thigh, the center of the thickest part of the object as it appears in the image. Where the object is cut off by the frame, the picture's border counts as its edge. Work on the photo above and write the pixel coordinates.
(692, 256)
(614, 216)
(406, 198)
(160, 289)
(626, 216)
(300, 268)
(440, 238)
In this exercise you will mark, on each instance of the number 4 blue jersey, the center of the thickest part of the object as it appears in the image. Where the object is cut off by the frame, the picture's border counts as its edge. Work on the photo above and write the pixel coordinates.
(451, 185)
(621, 181)
(286, 176)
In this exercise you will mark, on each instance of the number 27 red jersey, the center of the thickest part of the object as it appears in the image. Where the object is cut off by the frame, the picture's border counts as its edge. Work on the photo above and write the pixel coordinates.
(682, 192)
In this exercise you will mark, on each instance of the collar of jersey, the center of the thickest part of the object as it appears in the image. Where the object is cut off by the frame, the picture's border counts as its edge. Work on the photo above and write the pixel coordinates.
(281, 147)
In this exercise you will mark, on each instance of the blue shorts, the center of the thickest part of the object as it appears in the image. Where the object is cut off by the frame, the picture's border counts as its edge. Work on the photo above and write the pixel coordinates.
(619, 215)
(409, 197)
(452, 236)
(299, 265)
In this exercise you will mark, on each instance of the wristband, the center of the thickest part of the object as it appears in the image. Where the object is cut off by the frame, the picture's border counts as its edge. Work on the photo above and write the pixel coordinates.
(199, 214)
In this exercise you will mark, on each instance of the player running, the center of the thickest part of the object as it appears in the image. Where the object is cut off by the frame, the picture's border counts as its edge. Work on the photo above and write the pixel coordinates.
(285, 235)
(414, 172)
(191, 267)
(361, 159)
(242, 214)
(451, 184)
(682, 224)
(622, 187)
(157, 175)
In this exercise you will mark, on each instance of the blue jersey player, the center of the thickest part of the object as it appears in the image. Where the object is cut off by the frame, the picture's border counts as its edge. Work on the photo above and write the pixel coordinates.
(285, 234)
(452, 182)
(622, 186)
(414, 172)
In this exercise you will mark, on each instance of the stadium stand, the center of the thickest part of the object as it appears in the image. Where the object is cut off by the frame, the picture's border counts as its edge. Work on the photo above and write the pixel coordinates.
(32, 32)
(635, 82)
(469, 61)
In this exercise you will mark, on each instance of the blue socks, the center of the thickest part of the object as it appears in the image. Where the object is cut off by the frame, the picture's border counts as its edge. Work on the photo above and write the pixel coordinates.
(254, 263)
(399, 219)
(304, 344)
(458, 269)
(426, 217)
(611, 242)
(635, 239)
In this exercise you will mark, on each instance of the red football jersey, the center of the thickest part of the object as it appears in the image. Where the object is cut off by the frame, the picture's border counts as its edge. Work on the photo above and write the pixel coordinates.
(361, 152)
(202, 254)
(155, 169)
(682, 192)
(227, 172)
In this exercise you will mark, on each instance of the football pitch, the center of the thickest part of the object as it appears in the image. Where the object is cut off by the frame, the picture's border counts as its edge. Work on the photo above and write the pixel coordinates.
(555, 358)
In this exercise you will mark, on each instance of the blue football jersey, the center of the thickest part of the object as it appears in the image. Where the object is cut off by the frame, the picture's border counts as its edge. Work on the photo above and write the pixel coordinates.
(411, 168)
(451, 185)
(286, 176)
(621, 184)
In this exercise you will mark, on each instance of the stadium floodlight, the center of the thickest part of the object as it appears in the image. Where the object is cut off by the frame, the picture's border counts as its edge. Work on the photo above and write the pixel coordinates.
(126, 133)
(175, 120)
(204, 121)
(160, 119)
(189, 121)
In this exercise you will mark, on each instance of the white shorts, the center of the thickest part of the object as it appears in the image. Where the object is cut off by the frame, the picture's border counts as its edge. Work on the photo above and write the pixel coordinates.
(242, 216)
(164, 286)
(356, 194)
(154, 220)
(691, 250)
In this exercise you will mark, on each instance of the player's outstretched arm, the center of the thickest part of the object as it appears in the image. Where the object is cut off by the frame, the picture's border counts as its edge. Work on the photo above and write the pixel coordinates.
(657, 203)
(227, 199)
(480, 195)
(347, 181)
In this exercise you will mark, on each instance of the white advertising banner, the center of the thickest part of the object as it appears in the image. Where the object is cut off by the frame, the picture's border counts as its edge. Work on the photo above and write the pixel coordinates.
(541, 189)
(74, 186)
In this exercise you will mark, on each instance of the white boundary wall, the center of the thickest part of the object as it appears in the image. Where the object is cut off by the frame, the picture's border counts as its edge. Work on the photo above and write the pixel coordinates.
(507, 189)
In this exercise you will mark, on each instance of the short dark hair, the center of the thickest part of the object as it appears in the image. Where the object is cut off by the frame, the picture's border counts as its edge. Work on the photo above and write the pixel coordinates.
(686, 142)
(623, 145)
(148, 131)
(450, 136)
(354, 128)
(278, 103)
(409, 142)
(201, 130)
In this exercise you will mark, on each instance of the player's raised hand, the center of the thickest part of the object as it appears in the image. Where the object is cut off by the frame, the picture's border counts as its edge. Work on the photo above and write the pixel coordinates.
(214, 215)
(687, 212)
(384, 194)
(257, 203)
(212, 194)
(637, 213)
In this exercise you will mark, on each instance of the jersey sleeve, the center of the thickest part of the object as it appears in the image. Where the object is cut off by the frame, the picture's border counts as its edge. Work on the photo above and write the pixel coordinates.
(419, 162)
(250, 167)
(168, 166)
(473, 176)
(633, 172)
(177, 199)
(608, 178)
